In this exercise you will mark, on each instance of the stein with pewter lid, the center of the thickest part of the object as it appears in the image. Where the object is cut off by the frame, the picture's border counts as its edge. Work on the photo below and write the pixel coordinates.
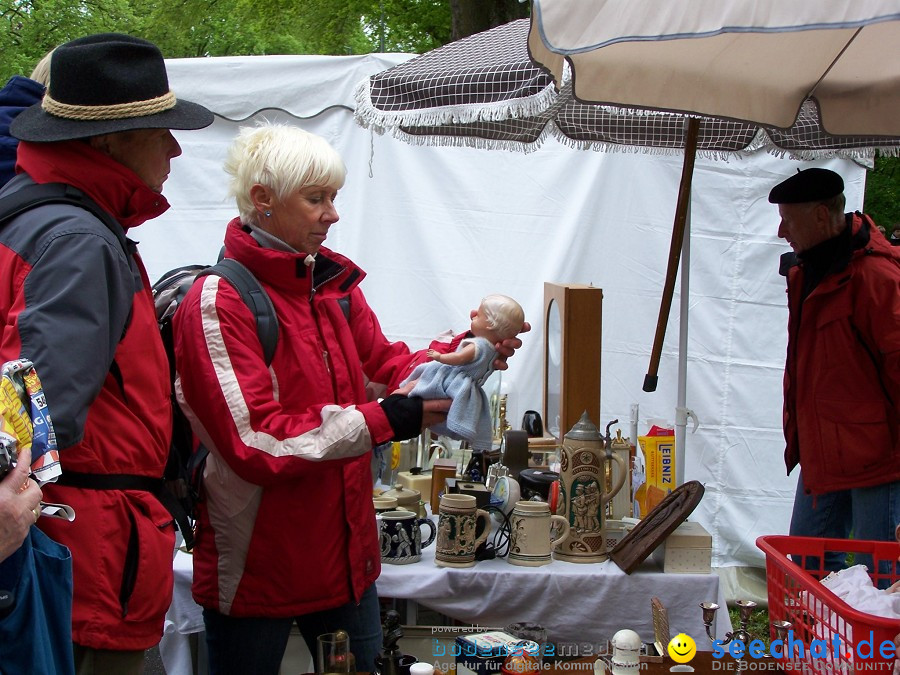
(582, 496)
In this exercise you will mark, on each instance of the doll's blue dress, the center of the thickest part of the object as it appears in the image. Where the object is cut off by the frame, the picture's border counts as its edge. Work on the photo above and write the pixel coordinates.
(469, 417)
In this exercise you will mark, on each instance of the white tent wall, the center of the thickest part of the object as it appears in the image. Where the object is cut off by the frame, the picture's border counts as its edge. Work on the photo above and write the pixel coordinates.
(437, 228)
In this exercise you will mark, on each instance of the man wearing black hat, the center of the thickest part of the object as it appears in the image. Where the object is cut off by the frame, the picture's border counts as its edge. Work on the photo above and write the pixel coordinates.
(842, 374)
(77, 302)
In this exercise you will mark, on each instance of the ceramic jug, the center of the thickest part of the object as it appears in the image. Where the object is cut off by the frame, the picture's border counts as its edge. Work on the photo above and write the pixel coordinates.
(383, 504)
(582, 499)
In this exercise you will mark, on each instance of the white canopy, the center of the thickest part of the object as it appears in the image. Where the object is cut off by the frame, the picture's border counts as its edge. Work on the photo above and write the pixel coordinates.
(438, 228)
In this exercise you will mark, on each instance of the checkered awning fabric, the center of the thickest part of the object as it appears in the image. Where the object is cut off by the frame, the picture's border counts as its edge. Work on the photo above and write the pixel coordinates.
(485, 91)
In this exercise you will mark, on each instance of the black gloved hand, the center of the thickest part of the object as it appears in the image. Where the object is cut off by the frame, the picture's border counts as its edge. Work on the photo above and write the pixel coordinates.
(404, 415)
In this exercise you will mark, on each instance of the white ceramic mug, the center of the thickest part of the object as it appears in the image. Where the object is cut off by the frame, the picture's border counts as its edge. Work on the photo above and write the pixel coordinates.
(531, 536)
(383, 504)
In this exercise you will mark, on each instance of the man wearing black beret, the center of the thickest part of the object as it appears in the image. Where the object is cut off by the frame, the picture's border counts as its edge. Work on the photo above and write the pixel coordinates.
(76, 301)
(842, 374)
(895, 237)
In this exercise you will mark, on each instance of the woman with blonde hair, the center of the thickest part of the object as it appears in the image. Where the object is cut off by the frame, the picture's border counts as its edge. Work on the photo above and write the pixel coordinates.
(286, 533)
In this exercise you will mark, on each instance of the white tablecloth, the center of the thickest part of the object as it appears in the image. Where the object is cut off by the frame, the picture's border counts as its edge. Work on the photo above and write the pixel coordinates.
(577, 603)
(183, 618)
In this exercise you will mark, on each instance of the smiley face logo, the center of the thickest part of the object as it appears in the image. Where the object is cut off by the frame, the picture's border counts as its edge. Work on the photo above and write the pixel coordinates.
(682, 648)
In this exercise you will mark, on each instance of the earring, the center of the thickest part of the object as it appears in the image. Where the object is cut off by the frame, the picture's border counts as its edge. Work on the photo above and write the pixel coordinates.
(268, 214)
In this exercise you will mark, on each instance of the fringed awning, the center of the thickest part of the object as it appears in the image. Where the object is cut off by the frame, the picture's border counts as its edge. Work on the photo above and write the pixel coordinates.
(485, 91)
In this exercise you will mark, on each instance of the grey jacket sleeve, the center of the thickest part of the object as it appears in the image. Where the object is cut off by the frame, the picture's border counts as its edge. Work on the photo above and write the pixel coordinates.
(78, 297)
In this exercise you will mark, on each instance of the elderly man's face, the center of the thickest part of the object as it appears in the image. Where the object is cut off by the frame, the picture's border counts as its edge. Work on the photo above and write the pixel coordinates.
(147, 152)
(804, 225)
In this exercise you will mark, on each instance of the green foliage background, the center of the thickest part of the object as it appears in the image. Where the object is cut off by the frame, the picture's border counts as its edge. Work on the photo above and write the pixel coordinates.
(883, 192)
(191, 28)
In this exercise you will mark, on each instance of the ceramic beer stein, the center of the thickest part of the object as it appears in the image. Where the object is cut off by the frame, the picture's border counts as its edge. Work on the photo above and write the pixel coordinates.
(401, 537)
(582, 496)
(462, 528)
(531, 533)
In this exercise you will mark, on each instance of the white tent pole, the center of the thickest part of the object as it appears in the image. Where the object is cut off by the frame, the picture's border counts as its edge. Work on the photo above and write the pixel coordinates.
(680, 409)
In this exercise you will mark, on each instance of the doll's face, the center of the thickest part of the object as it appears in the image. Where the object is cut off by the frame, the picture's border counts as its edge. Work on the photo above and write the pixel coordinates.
(480, 326)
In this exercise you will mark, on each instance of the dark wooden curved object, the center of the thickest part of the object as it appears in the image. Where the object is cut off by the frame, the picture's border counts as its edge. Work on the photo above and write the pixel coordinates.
(653, 529)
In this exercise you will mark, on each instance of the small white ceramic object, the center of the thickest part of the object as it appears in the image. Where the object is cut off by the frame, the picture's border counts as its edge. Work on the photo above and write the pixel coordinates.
(626, 656)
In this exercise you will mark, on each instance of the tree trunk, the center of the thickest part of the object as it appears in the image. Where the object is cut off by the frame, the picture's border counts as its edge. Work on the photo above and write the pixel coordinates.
(474, 16)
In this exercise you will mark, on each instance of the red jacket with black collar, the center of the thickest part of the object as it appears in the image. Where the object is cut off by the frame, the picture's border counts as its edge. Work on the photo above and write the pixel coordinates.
(842, 375)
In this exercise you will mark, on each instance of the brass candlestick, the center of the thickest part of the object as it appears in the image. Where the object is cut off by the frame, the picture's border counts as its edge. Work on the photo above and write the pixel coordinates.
(781, 628)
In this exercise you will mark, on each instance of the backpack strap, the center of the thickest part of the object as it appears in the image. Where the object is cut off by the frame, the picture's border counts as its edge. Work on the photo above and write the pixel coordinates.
(344, 302)
(30, 196)
(255, 297)
(259, 302)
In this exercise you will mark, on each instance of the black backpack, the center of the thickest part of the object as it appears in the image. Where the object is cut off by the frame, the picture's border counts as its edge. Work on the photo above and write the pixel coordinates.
(178, 489)
(184, 468)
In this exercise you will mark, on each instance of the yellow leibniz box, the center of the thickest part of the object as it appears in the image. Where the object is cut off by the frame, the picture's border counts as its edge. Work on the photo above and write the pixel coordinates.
(658, 447)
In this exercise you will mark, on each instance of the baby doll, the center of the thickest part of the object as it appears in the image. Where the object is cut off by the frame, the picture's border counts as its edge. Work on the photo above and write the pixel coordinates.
(460, 375)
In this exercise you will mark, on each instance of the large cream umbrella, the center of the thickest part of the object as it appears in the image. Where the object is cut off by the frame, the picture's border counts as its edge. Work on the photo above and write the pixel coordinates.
(754, 60)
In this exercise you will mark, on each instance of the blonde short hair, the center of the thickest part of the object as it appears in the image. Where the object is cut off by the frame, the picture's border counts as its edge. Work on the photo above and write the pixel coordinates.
(504, 315)
(283, 158)
(41, 72)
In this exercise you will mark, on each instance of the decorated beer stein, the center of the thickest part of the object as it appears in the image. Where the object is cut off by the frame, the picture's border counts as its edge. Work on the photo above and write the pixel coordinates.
(401, 537)
(532, 531)
(462, 528)
(582, 496)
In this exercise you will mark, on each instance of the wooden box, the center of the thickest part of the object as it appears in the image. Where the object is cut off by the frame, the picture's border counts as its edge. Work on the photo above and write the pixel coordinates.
(442, 469)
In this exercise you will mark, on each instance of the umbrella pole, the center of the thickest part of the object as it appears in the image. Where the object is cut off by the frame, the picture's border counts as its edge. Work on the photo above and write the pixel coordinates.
(681, 410)
(692, 128)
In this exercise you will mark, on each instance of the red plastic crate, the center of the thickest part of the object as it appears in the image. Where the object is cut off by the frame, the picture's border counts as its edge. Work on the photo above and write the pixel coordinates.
(815, 613)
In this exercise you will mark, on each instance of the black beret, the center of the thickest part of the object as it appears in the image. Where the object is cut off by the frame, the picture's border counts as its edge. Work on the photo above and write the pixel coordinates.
(810, 185)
